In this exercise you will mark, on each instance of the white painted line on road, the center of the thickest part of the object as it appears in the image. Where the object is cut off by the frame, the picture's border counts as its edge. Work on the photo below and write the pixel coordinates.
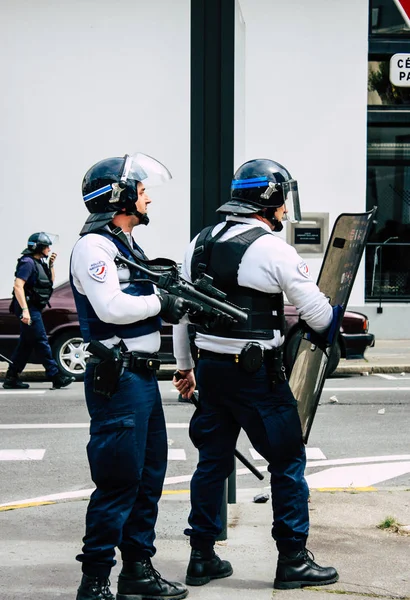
(44, 426)
(354, 476)
(177, 479)
(385, 376)
(176, 454)
(362, 459)
(311, 454)
(315, 454)
(368, 389)
(357, 476)
(23, 392)
(22, 454)
(52, 497)
(71, 425)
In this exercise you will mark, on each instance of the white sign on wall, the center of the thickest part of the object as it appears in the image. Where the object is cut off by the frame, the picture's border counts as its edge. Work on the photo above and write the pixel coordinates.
(400, 70)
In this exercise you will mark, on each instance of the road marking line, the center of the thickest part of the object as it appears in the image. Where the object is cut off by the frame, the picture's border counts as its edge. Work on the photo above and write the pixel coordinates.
(311, 454)
(315, 454)
(44, 426)
(350, 489)
(176, 454)
(15, 506)
(22, 454)
(357, 476)
(359, 460)
(385, 376)
(368, 389)
(25, 392)
(71, 425)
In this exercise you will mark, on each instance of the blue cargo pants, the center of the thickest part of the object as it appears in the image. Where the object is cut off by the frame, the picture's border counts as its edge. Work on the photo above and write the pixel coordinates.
(231, 399)
(127, 454)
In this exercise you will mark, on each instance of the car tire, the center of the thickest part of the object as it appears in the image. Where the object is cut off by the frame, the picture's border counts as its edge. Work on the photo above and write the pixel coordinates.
(291, 348)
(69, 354)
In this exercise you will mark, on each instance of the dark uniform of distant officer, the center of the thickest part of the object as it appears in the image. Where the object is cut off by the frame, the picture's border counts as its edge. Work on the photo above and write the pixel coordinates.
(240, 377)
(127, 451)
(33, 286)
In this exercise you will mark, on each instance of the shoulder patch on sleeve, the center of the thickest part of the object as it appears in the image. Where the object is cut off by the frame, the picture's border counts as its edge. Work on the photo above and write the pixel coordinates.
(98, 270)
(304, 269)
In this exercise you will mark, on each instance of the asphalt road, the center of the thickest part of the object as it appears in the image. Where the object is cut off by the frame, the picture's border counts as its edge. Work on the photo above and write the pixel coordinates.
(359, 439)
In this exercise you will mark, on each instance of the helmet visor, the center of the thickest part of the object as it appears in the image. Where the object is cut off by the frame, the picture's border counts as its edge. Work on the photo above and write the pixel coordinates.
(43, 238)
(144, 168)
(291, 198)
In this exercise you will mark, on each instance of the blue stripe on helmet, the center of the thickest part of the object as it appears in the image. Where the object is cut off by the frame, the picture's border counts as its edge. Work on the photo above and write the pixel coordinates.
(100, 192)
(247, 183)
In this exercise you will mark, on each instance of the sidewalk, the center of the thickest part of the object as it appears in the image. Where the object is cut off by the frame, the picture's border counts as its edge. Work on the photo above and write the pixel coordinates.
(38, 560)
(387, 356)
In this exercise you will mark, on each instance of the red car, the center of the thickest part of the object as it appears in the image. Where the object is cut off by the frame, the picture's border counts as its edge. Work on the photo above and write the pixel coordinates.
(61, 323)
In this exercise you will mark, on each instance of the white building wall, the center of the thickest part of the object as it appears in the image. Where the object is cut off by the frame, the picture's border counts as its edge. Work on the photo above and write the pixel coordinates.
(84, 80)
(306, 99)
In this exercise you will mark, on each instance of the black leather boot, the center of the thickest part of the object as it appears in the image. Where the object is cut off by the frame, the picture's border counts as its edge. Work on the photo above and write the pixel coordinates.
(297, 570)
(203, 567)
(94, 588)
(60, 381)
(139, 580)
(12, 382)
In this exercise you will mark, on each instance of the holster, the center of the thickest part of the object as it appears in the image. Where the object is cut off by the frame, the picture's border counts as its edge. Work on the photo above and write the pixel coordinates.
(274, 366)
(107, 372)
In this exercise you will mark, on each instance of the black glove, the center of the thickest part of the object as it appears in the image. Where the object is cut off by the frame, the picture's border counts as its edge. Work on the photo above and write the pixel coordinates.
(211, 323)
(173, 308)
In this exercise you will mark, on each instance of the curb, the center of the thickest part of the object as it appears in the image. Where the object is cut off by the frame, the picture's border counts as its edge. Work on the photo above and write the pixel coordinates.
(372, 368)
(166, 371)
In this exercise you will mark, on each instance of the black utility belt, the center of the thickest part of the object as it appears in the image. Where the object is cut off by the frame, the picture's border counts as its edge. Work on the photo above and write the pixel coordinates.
(251, 358)
(135, 361)
(139, 361)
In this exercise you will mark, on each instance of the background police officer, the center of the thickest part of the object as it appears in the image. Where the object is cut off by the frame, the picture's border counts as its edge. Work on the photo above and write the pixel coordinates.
(33, 286)
(127, 451)
(240, 377)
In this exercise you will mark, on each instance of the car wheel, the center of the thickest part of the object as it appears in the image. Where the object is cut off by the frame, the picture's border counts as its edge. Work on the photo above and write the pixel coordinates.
(291, 348)
(69, 354)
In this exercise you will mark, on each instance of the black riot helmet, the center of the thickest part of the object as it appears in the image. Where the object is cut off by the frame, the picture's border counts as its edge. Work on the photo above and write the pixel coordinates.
(110, 187)
(261, 186)
(37, 242)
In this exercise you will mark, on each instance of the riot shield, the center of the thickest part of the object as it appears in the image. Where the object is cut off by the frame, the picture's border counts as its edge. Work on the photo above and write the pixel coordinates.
(342, 258)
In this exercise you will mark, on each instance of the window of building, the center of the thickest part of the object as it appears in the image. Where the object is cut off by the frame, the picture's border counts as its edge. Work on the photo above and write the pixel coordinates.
(387, 257)
(388, 188)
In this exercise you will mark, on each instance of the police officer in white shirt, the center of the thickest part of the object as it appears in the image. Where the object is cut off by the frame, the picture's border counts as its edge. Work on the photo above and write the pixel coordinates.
(120, 315)
(239, 373)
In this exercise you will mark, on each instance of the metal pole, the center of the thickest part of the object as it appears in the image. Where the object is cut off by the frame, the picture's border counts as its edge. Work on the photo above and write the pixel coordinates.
(224, 515)
(232, 485)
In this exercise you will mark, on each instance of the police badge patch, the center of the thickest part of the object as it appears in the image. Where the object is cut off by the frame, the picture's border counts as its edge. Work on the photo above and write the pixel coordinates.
(98, 270)
(304, 269)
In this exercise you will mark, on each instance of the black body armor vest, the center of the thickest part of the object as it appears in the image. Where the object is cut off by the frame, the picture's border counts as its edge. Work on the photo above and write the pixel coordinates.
(39, 294)
(221, 261)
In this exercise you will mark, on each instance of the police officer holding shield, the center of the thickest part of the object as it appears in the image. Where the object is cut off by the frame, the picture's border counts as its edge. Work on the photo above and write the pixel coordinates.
(120, 315)
(33, 286)
(239, 373)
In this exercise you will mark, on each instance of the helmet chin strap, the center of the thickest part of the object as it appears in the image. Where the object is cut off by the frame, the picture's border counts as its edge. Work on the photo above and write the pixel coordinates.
(270, 216)
(143, 217)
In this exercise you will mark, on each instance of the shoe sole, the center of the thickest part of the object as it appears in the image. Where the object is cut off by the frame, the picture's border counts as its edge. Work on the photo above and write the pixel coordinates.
(203, 580)
(145, 597)
(12, 387)
(291, 585)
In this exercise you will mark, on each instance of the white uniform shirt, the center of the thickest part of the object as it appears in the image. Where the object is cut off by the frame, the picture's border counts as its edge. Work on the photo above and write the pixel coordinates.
(96, 276)
(269, 265)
